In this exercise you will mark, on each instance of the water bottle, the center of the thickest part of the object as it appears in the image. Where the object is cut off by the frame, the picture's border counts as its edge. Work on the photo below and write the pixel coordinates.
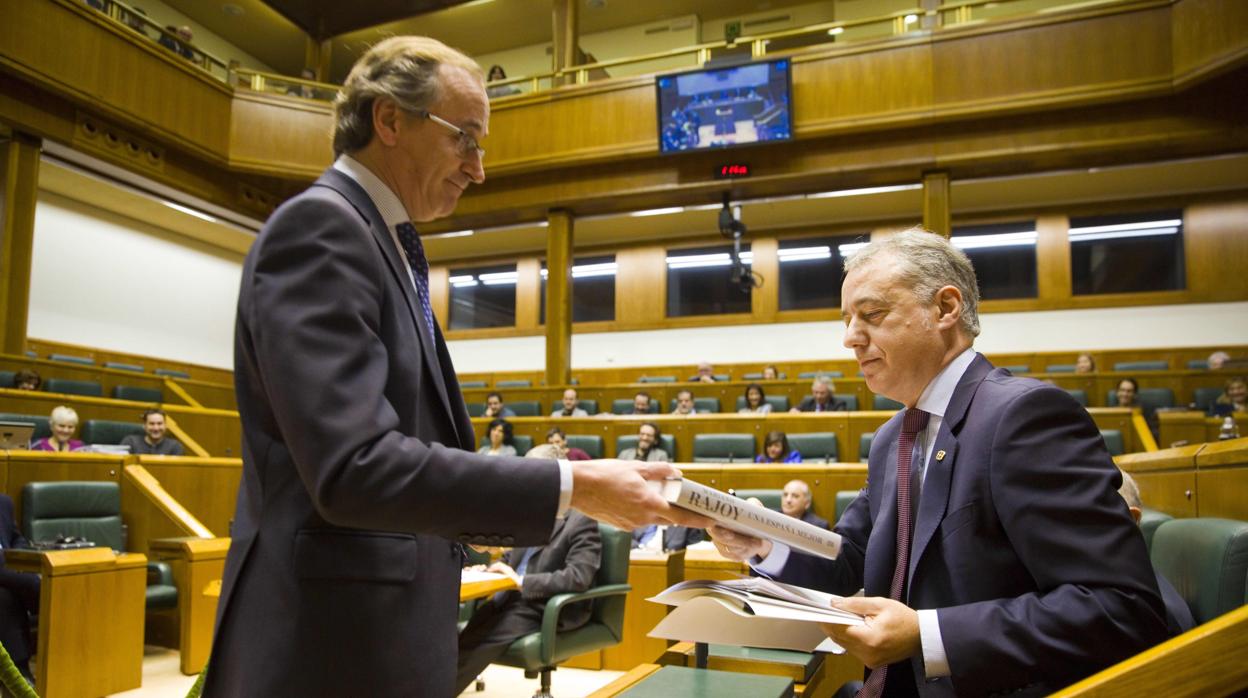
(1229, 429)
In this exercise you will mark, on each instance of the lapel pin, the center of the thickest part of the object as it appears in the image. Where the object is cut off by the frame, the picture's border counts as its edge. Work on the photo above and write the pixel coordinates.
(940, 455)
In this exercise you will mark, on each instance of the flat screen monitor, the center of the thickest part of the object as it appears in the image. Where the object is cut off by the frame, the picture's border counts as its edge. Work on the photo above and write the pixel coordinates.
(725, 107)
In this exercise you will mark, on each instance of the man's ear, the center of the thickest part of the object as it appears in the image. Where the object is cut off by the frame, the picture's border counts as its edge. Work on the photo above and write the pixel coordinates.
(1135, 514)
(949, 307)
(386, 120)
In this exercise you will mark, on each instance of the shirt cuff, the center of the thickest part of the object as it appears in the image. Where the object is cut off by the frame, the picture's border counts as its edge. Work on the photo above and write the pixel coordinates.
(773, 564)
(565, 488)
(935, 661)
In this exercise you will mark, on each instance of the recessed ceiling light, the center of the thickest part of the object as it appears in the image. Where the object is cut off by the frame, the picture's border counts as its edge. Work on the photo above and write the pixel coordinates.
(232, 10)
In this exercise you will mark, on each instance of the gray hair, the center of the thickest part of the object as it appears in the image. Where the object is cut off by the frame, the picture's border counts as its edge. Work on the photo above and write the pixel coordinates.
(927, 262)
(823, 379)
(63, 415)
(1130, 491)
(402, 68)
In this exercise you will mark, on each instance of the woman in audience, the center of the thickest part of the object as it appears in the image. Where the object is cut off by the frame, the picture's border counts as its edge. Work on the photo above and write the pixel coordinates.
(776, 450)
(1127, 390)
(64, 422)
(770, 373)
(27, 379)
(755, 400)
(502, 443)
(1085, 363)
(1234, 398)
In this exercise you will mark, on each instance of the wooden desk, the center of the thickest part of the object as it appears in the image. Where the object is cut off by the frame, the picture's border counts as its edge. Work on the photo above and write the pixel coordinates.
(198, 565)
(91, 608)
(707, 563)
(648, 573)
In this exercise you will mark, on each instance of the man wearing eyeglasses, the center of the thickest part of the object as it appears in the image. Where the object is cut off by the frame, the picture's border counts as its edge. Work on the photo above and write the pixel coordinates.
(359, 482)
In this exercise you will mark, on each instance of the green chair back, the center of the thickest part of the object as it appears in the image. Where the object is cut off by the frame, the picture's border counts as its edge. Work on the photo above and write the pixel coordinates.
(1150, 519)
(1198, 365)
(1150, 399)
(1207, 562)
(1113, 441)
(74, 387)
(521, 442)
(625, 406)
(526, 408)
(136, 394)
(476, 409)
(590, 406)
(769, 497)
(666, 441)
(105, 431)
(1059, 368)
(704, 405)
(6, 379)
(472, 384)
(879, 402)
(657, 379)
(90, 510)
(1142, 366)
(810, 375)
(171, 373)
(723, 448)
(612, 570)
(719, 377)
(1017, 368)
(517, 383)
(1080, 396)
(42, 428)
(123, 367)
(589, 443)
(850, 400)
(816, 446)
(779, 403)
(843, 499)
(1205, 397)
(864, 446)
(69, 358)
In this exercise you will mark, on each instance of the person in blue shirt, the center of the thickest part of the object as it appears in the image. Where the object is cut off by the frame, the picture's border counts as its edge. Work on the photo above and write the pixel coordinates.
(776, 450)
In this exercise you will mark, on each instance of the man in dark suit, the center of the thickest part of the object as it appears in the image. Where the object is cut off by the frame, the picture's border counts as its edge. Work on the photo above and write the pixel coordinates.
(359, 483)
(795, 501)
(995, 552)
(19, 594)
(821, 398)
(568, 563)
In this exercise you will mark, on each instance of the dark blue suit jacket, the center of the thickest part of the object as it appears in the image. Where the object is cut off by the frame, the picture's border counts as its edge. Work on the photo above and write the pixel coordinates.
(1022, 543)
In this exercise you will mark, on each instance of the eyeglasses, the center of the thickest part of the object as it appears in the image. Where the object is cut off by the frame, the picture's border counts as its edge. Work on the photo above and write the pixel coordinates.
(467, 146)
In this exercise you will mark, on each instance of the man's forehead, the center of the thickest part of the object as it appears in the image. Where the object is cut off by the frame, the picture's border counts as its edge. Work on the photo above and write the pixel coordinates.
(464, 100)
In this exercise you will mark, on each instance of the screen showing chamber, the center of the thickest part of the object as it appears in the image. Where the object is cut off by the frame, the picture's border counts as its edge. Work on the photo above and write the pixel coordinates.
(724, 107)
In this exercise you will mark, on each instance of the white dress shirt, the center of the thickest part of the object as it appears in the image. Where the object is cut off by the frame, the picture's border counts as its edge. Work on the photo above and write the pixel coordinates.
(393, 213)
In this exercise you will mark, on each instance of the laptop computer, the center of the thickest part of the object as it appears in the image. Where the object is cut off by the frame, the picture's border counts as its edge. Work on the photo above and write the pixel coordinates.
(15, 435)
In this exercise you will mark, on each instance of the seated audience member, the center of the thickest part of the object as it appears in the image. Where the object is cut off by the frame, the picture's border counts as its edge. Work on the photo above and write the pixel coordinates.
(776, 450)
(641, 403)
(64, 422)
(1178, 616)
(27, 379)
(497, 73)
(494, 406)
(19, 595)
(305, 91)
(648, 449)
(502, 443)
(821, 398)
(1234, 398)
(1217, 360)
(1127, 389)
(755, 400)
(568, 563)
(706, 374)
(795, 502)
(770, 373)
(684, 403)
(154, 441)
(555, 437)
(569, 408)
(1084, 363)
(659, 538)
(184, 43)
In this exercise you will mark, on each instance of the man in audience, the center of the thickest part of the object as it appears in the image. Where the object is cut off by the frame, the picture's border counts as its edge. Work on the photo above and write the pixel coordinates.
(684, 403)
(1217, 360)
(1006, 530)
(658, 538)
(1178, 616)
(706, 374)
(568, 563)
(641, 403)
(27, 379)
(19, 595)
(555, 437)
(821, 398)
(154, 442)
(570, 406)
(648, 449)
(494, 407)
(795, 501)
(357, 441)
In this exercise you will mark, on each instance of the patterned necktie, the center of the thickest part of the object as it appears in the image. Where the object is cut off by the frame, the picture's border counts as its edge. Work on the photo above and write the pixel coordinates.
(913, 422)
(420, 268)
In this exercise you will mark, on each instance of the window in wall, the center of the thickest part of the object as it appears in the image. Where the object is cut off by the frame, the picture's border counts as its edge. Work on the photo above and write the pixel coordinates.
(593, 289)
(811, 269)
(1127, 253)
(699, 282)
(483, 297)
(1004, 257)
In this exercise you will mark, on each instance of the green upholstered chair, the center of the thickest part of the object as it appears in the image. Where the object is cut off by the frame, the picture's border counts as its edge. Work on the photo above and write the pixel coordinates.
(171, 373)
(1142, 366)
(816, 446)
(1150, 519)
(625, 406)
(130, 392)
(723, 448)
(719, 377)
(843, 499)
(666, 441)
(6, 379)
(864, 446)
(1207, 562)
(1017, 368)
(850, 400)
(590, 406)
(539, 653)
(779, 403)
(472, 384)
(90, 510)
(657, 379)
(71, 359)
(1080, 396)
(104, 431)
(42, 428)
(704, 405)
(1151, 399)
(475, 409)
(879, 402)
(74, 387)
(1113, 441)
(752, 376)
(516, 383)
(123, 367)
(810, 375)
(1205, 397)
(769, 498)
(1198, 365)
(589, 443)
(1059, 368)
(526, 408)
(522, 443)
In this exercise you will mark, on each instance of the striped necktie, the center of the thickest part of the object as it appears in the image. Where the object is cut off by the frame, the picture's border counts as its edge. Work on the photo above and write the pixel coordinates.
(420, 269)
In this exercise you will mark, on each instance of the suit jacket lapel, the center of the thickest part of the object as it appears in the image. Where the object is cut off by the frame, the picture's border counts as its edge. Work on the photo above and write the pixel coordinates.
(936, 482)
(355, 194)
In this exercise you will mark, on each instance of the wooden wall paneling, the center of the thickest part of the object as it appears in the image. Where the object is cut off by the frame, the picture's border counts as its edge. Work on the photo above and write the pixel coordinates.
(208, 374)
(937, 207)
(108, 378)
(1180, 428)
(1206, 36)
(1117, 418)
(218, 431)
(1167, 478)
(278, 135)
(214, 395)
(528, 290)
(1216, 246)
(765, 300)
(1053, 277)
(34, 466)
(206, 487)
(641, 285)
(833, 92)
(19, 178)
(559, 246)
(1222, 479)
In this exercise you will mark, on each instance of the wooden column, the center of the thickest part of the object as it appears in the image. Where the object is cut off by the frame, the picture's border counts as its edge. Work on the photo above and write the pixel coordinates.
(1053, 280)
(564, 16)
(765, 301)
(19, 184)
(559, 298)
(936, 210)
(316, 55)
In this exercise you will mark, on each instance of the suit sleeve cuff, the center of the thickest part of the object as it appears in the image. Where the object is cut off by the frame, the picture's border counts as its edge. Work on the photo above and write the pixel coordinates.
(773, 564)
(565, 488)
(935, 661)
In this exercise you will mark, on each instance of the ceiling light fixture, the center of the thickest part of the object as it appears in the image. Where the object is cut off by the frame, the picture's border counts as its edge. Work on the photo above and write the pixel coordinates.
(864, 191)
(657, 211)
(1023, 238)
